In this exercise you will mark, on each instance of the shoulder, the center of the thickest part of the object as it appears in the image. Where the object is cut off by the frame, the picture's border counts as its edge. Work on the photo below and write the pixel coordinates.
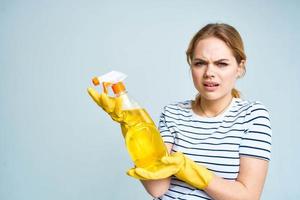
(251, 107)
(253, 112)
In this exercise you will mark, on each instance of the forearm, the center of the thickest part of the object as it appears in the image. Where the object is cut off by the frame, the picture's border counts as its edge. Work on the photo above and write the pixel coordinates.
(156, 188)
(221, 189)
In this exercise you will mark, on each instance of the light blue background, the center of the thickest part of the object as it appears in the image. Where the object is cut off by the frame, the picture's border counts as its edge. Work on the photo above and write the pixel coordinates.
(55, 143)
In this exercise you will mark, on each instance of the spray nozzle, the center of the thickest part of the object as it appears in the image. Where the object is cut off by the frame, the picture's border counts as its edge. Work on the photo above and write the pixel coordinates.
(114, 79)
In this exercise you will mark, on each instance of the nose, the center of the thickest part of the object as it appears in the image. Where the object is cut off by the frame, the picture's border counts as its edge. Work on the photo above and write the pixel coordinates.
(209, 73)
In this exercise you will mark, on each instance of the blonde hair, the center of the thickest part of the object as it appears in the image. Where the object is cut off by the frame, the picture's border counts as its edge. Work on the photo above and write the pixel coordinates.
(227, 34)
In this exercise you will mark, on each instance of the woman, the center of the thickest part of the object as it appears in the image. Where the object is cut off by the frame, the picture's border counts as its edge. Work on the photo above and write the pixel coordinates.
(224, 141)
(219, 144)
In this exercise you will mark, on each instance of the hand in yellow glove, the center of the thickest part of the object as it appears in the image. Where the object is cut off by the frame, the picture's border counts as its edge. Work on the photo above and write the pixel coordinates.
(184, 169)
(111, 105)
(160, 169)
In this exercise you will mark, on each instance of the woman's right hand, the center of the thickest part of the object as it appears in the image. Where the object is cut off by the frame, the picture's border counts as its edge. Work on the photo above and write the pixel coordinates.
(111, 105)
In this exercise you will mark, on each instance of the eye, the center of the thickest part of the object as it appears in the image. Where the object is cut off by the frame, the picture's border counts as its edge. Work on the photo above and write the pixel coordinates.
(222, 64)
(199, 64)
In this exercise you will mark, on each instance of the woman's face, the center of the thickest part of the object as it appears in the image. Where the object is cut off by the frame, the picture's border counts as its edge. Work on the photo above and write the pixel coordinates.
(214, 69)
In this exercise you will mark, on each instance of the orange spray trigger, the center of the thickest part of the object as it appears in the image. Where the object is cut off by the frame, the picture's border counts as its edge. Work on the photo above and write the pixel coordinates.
(95, 81)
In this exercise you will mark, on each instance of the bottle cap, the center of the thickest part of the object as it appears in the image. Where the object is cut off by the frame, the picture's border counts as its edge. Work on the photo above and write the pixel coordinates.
(118, 87)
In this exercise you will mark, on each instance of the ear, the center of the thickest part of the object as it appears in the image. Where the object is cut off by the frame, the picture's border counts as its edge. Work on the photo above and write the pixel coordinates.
(241, 69)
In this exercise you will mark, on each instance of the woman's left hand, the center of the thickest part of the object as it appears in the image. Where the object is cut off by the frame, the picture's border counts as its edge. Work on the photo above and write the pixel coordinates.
(176, 164)
(164, 168)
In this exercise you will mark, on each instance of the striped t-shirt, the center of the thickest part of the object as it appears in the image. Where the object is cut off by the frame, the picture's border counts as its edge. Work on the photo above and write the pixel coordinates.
(217, 143)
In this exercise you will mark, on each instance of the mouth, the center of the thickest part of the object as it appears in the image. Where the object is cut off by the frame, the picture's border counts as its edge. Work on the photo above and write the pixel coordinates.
(211, 86)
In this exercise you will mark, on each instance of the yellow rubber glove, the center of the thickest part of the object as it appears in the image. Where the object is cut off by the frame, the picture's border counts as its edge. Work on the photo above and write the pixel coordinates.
(185, 169)
(111, 105)
(158, 170)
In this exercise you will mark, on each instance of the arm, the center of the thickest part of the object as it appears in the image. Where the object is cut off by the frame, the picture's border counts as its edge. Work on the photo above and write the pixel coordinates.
(249, 183)
(257, 142)
(157, 188)
(247, 186)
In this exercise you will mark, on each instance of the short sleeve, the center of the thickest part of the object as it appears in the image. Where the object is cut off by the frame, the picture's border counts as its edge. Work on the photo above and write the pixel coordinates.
(256, 140)
(165, 131)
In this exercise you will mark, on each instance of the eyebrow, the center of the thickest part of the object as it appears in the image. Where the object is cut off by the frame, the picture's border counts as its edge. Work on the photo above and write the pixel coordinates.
(220, 60)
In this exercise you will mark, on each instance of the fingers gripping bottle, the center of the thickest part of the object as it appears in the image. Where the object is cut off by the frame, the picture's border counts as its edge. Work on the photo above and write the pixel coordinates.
(142, 138)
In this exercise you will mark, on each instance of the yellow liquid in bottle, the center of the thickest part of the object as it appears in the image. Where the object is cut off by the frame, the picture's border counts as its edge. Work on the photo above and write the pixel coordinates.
(143, 140)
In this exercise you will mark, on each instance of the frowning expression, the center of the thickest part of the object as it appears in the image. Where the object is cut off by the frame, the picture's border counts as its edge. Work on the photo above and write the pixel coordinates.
(214, 68)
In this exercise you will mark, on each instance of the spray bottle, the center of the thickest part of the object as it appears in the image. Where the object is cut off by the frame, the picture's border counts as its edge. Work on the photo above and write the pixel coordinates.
(142, 138)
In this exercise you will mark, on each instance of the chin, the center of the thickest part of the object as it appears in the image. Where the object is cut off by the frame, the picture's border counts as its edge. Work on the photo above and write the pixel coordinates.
(212, 96)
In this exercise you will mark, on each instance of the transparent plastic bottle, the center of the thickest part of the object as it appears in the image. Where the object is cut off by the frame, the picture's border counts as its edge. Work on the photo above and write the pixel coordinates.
(142, 138)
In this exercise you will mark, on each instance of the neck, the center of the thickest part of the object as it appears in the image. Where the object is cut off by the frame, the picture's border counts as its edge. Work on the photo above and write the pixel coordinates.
(211, 108)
